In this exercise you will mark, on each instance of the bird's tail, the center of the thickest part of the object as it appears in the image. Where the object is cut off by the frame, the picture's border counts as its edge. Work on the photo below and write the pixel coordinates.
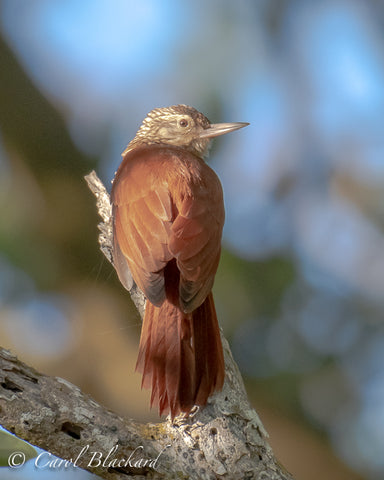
(180, 356)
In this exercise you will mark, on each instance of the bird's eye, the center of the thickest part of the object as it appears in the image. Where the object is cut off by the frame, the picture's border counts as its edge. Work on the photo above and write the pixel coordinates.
(183, 122)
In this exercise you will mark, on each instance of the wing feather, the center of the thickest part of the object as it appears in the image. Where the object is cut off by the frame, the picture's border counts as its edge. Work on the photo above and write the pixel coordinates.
(167, 204)
(142, 221)
(195, 239)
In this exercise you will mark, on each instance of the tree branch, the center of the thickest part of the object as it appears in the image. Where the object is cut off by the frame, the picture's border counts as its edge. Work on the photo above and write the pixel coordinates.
(225, 439)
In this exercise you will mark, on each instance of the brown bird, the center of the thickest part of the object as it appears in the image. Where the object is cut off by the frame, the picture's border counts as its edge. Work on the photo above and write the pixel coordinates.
(168, 216)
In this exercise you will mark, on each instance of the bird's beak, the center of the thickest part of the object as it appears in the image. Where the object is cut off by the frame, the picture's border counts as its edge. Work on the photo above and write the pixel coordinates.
(216, 129)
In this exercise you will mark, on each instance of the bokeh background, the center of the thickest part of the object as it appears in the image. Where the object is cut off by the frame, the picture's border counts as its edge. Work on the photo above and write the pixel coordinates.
(300, 287)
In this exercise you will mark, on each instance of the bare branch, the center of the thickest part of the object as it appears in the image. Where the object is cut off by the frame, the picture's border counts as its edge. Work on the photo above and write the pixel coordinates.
(105, 237)
(225, 440)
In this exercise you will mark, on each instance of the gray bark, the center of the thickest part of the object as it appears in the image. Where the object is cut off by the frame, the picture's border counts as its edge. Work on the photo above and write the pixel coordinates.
(225, 439)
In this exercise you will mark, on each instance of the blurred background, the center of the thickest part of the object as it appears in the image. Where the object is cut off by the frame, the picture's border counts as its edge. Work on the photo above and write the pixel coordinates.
(300, 287)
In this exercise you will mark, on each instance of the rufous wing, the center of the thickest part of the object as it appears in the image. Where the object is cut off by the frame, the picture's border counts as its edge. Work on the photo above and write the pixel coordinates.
(196, 239)
(167, 203)
(142, 215)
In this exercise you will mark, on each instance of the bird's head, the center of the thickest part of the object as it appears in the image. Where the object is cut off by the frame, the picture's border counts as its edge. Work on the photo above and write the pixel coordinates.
(180, 126)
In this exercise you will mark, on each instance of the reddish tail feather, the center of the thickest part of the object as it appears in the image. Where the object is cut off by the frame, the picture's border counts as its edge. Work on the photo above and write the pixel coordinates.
(180, 355)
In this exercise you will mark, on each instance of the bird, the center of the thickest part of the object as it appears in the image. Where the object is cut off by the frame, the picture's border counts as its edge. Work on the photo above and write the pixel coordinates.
(168, 217)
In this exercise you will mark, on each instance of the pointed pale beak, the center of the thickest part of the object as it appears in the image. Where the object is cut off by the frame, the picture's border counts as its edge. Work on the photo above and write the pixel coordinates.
(216, 129)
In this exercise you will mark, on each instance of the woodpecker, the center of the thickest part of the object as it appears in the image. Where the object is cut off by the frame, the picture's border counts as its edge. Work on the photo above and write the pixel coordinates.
(168, 217)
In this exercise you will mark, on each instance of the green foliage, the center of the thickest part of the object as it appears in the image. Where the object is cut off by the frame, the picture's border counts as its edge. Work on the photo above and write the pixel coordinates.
(256, 286)
(9, 445)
